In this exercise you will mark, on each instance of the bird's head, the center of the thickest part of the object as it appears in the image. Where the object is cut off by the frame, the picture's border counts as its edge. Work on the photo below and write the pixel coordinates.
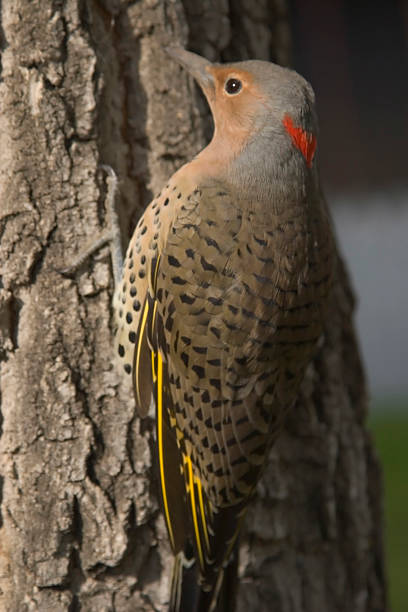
(261, 110)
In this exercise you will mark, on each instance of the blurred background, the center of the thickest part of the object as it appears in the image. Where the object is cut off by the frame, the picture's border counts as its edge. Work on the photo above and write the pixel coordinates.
(355, 54)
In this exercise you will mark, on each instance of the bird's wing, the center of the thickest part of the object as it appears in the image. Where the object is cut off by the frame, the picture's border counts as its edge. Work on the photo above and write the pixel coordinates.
(212, 333)
(223, 338)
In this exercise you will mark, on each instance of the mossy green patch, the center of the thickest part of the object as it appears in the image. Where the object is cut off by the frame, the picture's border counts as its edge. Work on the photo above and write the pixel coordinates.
(390, 430)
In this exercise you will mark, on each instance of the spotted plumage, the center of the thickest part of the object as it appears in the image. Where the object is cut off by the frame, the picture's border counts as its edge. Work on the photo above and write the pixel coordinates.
(221, 306)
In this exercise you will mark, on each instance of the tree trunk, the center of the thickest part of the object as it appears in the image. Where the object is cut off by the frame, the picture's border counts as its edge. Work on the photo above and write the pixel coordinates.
(84, 84)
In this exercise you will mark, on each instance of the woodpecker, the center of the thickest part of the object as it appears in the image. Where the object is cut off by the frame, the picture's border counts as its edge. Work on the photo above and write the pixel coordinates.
(220, 307)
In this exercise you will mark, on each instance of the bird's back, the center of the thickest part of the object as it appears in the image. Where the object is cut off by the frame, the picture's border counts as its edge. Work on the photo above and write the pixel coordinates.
(239, 289)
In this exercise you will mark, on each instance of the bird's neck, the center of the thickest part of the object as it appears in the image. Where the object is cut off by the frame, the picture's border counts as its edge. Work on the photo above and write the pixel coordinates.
(264, 169)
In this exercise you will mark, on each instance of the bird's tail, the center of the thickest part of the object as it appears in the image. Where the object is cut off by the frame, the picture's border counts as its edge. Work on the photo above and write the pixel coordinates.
(188, 594)
(183, 593)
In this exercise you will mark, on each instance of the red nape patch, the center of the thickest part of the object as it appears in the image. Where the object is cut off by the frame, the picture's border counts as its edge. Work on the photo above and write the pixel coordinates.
(304, 141)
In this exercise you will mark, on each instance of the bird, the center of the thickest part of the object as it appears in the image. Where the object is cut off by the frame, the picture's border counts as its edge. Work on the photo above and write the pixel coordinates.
(220, 308)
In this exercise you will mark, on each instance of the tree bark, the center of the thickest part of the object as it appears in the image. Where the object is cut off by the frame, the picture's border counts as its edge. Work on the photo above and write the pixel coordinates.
(85, 84)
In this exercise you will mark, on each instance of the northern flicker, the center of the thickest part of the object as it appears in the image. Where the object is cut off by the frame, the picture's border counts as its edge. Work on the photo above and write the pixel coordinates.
(221, 305)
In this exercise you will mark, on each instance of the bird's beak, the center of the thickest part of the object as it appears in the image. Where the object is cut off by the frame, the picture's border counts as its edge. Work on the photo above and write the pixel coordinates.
(196, 65)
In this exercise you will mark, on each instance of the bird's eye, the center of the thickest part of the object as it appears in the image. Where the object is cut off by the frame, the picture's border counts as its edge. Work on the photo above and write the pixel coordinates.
(233, 86)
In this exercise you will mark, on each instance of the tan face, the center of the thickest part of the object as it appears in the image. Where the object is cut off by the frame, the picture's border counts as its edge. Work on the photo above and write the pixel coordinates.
(235, 100)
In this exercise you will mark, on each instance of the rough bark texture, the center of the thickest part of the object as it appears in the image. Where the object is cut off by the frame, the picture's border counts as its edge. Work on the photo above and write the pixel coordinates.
(85, 83)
